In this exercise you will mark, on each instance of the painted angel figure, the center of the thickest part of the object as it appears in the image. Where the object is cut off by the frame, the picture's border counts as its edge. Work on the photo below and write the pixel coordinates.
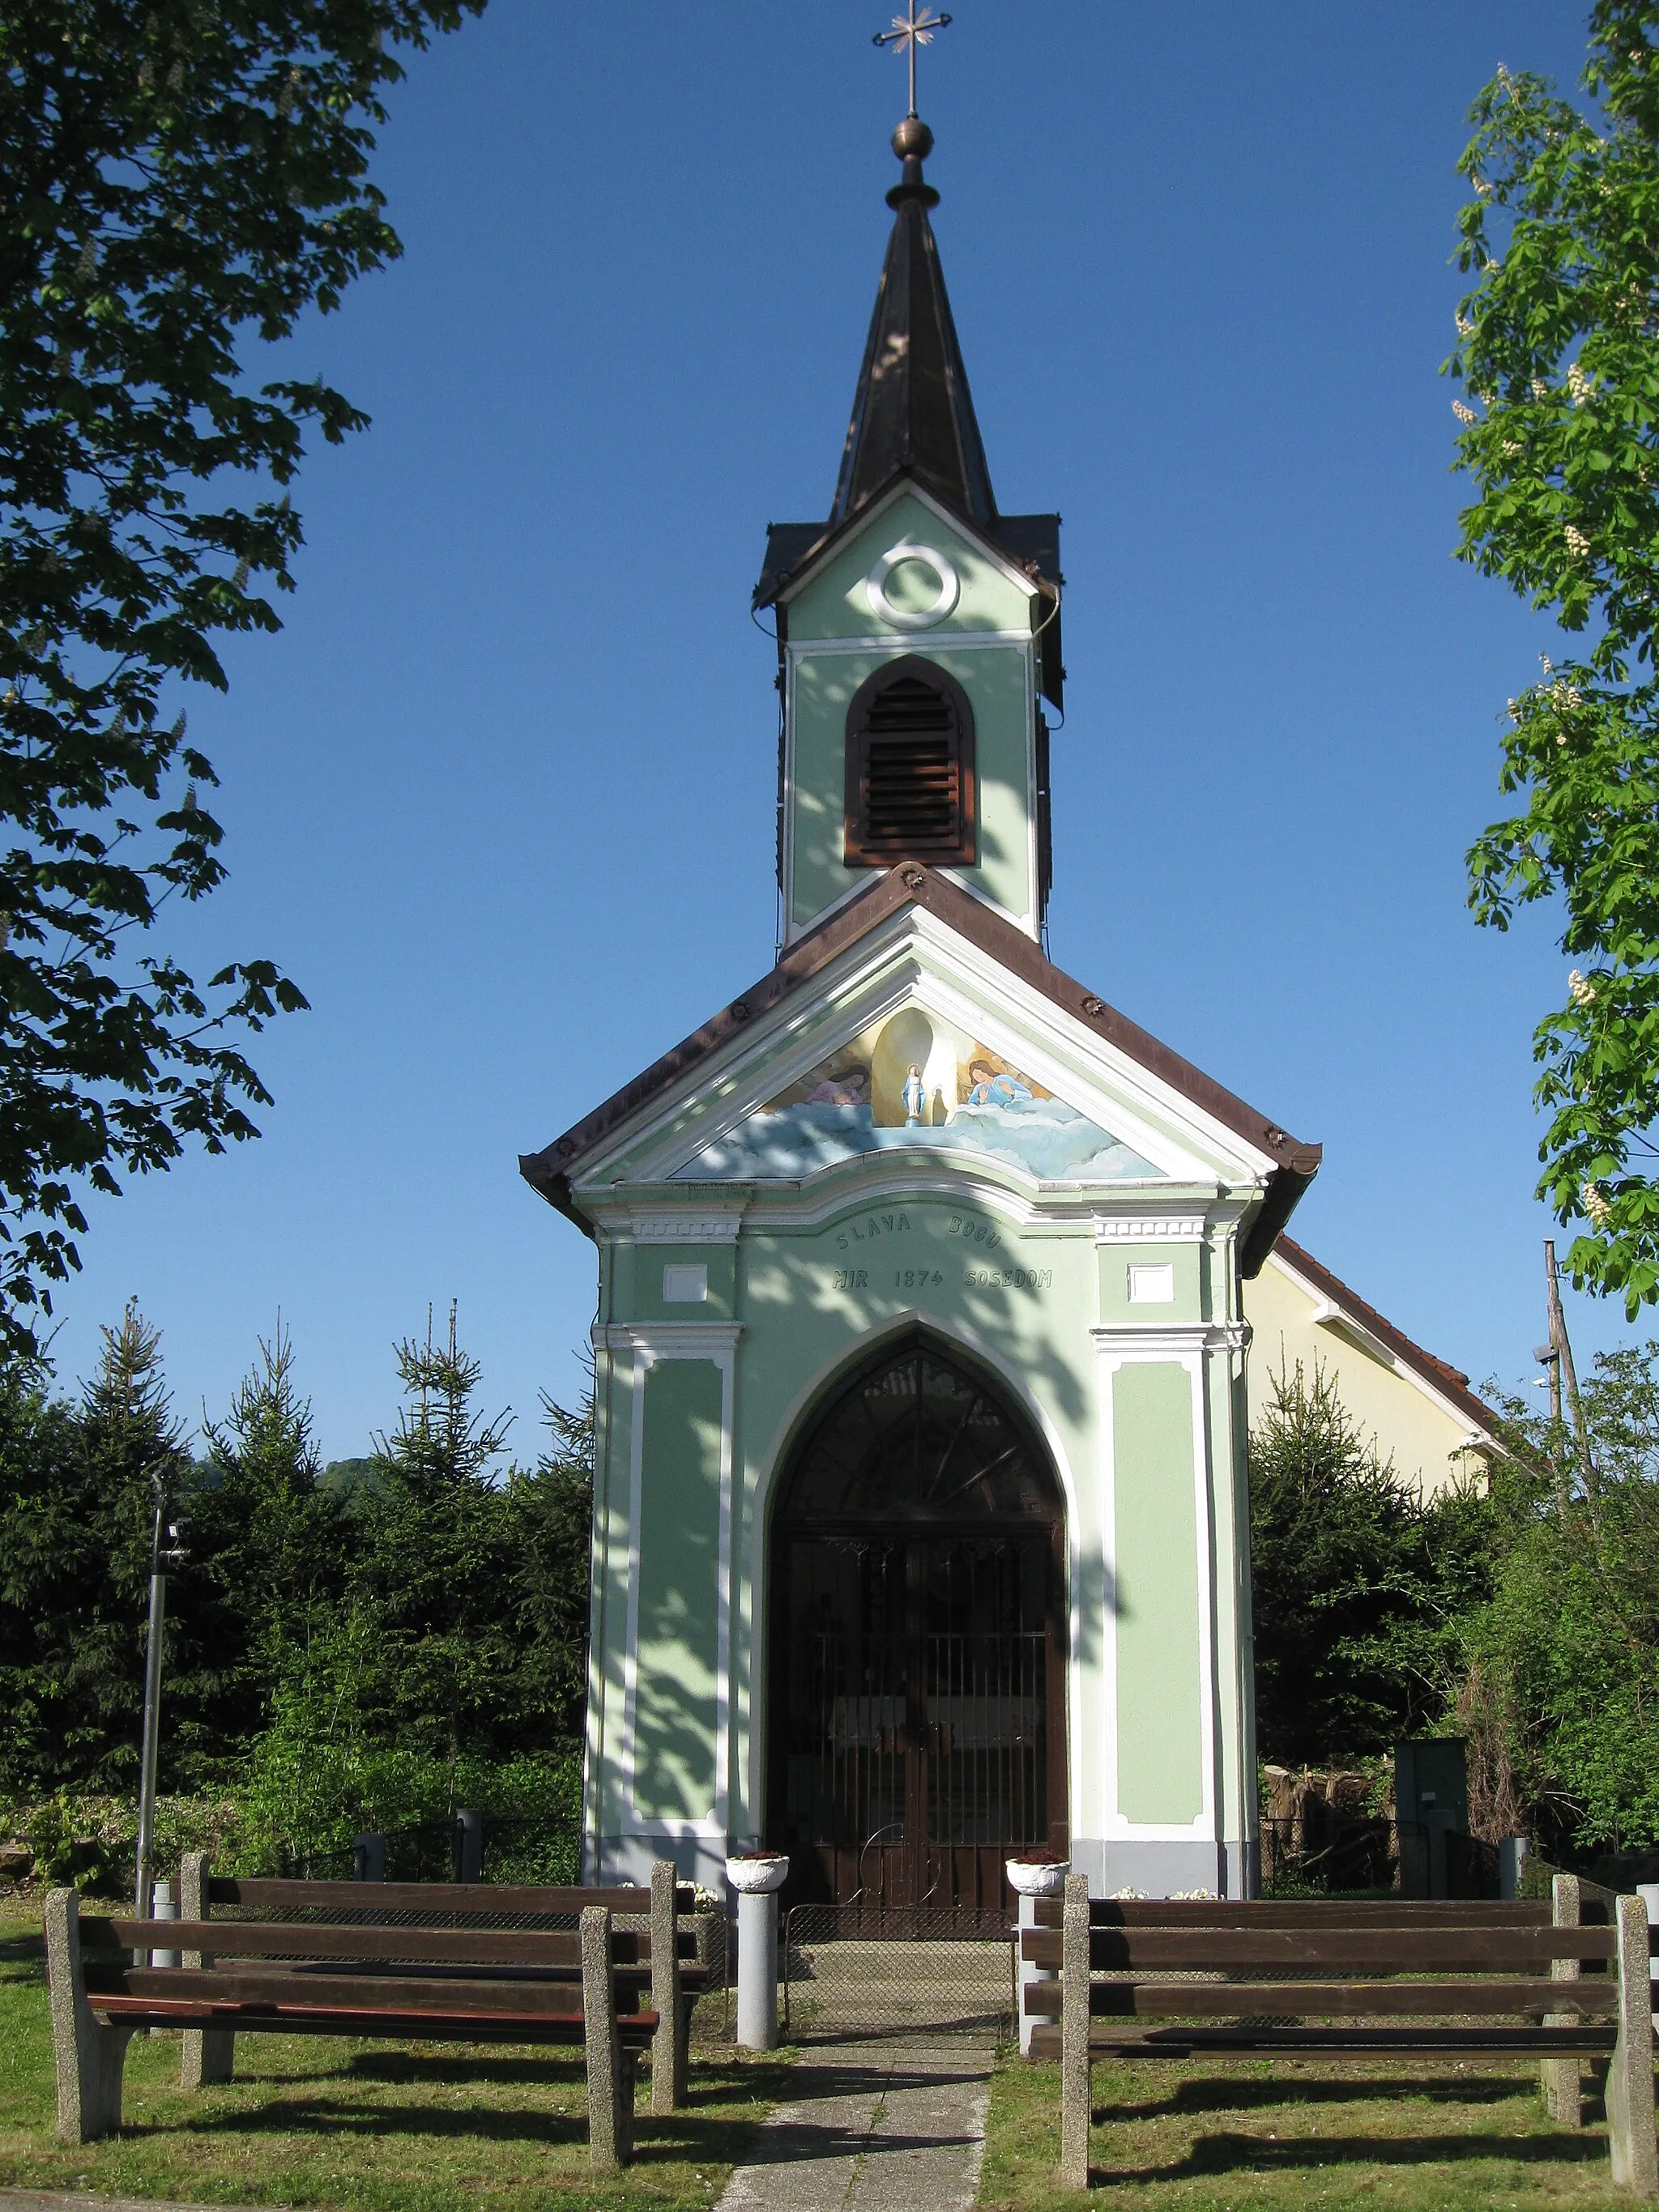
(991, 1088)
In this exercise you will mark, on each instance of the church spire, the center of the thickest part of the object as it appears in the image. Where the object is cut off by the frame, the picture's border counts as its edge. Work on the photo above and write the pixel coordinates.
(912, 413)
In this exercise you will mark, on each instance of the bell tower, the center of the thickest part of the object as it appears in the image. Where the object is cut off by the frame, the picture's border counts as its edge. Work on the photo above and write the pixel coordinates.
(918, 627)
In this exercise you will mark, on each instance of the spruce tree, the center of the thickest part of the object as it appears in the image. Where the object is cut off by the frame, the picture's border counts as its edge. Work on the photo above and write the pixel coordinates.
(433, 1560)
(79, 1507)
(48, 1558)
(1357, 1583)
(552, 1510)
(265, 1560)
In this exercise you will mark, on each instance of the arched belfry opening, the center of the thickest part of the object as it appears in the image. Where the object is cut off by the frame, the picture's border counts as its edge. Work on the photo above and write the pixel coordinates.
(910, 769)
(917, 1664)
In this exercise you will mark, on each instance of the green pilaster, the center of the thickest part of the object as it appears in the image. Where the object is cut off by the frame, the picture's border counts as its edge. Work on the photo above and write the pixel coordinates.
(1159, 1739)
(676, 1685)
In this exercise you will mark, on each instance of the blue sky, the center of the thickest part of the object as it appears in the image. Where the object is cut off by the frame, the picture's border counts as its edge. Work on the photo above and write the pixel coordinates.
(499, 797)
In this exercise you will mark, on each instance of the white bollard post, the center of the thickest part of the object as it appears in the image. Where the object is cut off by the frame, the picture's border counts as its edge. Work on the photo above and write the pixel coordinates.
(1512, 1853)
(164, 1905)
(1030, 1878)
(757, 1878)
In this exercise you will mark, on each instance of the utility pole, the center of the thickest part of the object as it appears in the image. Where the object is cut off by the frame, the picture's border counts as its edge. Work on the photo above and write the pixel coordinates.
(161, 1555)
(1561, 1370)
(1550, 1360)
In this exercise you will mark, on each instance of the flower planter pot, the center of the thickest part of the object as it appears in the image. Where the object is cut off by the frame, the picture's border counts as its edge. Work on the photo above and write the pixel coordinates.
(1036, 1877)
(753, 1877)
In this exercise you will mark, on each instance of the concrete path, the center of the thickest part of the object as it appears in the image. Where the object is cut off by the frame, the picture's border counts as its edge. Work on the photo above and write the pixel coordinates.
(894, 2126)
(60, 2200)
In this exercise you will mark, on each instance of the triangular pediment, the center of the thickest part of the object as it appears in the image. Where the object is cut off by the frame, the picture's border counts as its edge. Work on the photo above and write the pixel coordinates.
(916, 1082)
(1023, 1078)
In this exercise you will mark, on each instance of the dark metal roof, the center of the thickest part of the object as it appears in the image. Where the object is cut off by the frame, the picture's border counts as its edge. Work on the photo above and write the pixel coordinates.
(914, 884)
(913, 419)
(913, 412)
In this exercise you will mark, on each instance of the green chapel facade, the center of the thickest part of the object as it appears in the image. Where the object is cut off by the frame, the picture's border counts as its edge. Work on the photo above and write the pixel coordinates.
(921, 1530)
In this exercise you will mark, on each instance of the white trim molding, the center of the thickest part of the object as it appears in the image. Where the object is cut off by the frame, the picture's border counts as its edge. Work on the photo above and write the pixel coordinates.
(716, 1343)
(1162, 1339)
(926, 556)
(686, 1228)
(669, 1339)
(1149, 1228)
(984, 549)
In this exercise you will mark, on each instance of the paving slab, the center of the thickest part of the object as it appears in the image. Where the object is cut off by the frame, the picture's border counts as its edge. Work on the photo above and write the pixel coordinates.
(891, 2126)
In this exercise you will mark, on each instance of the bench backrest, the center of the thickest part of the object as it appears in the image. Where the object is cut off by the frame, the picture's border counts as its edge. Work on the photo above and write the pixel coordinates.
(1293, 1912)
(1374, 1950)
(675, 1944)
(472, 1898)
(267, 1939)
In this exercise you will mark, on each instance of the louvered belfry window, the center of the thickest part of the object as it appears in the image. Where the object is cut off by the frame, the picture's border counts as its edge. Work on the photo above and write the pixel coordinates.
(909, 767)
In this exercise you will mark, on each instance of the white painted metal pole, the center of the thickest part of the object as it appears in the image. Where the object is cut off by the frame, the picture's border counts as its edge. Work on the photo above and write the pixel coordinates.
(757, 1878)
(758, 1970)
(1031, 1880)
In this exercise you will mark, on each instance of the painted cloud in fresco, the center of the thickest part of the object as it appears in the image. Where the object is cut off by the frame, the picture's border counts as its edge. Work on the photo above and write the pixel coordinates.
(913, 1082)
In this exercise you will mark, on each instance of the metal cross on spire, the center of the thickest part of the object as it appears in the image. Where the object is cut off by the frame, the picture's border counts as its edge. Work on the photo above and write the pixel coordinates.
(909, 31)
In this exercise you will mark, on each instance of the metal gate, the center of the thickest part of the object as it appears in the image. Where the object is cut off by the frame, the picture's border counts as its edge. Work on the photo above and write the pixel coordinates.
(918, 1708)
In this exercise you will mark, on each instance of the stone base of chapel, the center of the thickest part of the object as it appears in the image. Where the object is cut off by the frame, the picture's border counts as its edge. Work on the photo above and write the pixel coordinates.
(622, 1859)
(1183, 1867)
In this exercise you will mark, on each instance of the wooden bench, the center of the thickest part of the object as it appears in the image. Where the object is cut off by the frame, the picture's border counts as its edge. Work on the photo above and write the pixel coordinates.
(366, 1977)
(676, 1946)
(1408, 1980)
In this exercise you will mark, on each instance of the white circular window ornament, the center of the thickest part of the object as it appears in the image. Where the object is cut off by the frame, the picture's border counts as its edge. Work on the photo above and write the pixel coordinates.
(904, 618)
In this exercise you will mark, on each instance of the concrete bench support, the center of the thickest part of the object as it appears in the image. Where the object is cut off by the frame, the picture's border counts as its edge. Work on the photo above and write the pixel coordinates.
(1561, 2079)
(206, 2055)
(669, 2050)
(1631, 2142)
(1074, 2074)
(610, 2063)
(90, 2056)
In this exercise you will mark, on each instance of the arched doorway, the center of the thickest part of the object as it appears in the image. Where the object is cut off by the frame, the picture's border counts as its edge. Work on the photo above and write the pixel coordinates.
(918, 1641)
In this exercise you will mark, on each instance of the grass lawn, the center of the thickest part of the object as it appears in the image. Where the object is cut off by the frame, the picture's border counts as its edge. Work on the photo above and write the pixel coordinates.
(315, 2121)
(1236, 2135)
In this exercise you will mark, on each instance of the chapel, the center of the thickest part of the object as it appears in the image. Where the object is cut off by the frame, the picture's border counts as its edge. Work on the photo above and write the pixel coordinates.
(920, 1525)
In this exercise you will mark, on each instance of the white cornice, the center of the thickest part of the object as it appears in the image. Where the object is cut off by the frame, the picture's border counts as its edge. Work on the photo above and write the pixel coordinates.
(699, 1228)
(674, 1340)
(884, 645)
(1149, 1228)
(1172, 1337)
(918, 1181)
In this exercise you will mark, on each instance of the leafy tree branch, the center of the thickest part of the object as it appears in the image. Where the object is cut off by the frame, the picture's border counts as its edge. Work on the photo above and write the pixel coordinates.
(1559, 353)
(180, 181)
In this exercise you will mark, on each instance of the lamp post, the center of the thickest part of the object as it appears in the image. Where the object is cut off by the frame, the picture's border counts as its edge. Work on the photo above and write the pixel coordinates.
(162, 1554)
